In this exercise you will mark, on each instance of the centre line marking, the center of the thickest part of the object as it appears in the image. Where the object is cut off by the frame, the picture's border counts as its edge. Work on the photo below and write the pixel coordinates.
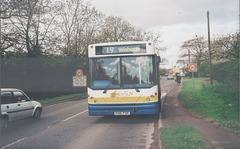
(14, 143)
(74, 116)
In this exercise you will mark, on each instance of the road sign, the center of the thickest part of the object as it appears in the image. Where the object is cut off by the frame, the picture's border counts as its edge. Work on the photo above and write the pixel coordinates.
(79, 72)
(192, 67)
(79, 80)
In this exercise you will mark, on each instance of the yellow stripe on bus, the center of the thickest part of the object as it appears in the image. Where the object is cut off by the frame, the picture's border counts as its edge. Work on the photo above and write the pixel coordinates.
(122, 99)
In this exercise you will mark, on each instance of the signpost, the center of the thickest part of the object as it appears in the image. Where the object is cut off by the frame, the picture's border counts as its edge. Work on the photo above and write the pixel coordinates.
(79, 80)
(192, 68)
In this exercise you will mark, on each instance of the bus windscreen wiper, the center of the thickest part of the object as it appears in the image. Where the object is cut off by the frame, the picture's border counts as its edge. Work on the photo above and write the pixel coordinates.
(135, 87)
(105, 91)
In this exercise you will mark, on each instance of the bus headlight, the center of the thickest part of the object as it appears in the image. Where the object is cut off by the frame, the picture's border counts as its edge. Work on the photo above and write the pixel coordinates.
(153, 95)
(148, 99)
(95, 101)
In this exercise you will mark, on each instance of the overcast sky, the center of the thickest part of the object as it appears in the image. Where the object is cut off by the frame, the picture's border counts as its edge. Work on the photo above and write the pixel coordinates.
(176, 20)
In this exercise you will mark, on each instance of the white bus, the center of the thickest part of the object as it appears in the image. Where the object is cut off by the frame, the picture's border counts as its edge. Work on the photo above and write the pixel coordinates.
(124, 79)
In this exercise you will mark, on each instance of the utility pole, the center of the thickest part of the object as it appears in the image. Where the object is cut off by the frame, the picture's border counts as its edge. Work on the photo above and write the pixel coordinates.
(238, 64)
(0, 64)
(189, 57)
(209, 50)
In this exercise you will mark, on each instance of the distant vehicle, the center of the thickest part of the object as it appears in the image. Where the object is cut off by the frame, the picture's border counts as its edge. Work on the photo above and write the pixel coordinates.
(15, 104)
(170, 77)
(182, 74)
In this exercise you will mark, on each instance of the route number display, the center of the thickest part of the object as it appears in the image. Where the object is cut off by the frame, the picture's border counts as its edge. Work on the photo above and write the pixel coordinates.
(121, 49)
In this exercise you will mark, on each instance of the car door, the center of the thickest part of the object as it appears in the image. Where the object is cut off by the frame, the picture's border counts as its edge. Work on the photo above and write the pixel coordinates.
(9, 105)
(24, 105)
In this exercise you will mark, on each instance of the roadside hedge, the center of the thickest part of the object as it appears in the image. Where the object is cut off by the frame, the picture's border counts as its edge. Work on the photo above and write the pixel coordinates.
(227, 73)
(42, 77)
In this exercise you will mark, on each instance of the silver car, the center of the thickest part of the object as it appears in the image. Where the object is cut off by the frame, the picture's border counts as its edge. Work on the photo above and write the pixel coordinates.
(170, 77)
(15, 104)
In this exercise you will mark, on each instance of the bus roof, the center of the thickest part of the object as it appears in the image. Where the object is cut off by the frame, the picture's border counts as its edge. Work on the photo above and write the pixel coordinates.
(119, 43)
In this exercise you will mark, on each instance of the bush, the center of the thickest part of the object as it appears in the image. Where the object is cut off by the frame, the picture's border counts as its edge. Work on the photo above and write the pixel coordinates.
(227, 73)
(42, 77)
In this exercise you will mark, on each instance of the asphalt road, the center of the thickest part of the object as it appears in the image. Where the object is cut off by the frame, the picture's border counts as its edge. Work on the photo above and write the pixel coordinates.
(68, 126)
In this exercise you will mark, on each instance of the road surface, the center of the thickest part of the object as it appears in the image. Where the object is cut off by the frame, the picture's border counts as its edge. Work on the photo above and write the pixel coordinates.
(67, 125)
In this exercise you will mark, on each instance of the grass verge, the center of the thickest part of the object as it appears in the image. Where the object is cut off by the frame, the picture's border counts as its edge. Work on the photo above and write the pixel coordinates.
(218, 104)
(43, 101)
(182, 136)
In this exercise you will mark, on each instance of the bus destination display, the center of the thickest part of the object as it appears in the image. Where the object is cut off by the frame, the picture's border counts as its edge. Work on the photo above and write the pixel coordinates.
(121, 49)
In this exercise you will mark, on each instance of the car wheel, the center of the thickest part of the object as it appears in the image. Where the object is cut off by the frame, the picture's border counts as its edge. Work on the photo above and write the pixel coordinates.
(37, 114)
(4, 123)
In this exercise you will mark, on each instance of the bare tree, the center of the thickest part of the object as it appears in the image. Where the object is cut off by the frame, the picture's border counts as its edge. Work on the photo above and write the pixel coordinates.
(225, 47)
(92, 30)
(117, 29)
(194, 49)
(74, 17)
(8, 9)
(31, 26)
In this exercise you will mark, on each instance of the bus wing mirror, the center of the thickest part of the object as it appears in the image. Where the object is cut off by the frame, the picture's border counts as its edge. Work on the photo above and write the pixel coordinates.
(158, 59)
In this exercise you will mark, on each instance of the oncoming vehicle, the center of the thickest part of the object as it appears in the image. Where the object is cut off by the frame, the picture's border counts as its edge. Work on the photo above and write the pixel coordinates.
(170, 77)
(15, 104)
(124, 79)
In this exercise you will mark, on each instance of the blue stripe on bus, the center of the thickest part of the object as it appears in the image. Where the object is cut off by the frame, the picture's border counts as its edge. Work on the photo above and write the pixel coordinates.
(133, 108)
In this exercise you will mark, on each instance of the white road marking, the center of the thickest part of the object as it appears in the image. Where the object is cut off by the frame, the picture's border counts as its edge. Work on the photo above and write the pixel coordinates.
(14, 143)
(74, 116)
(48, 127)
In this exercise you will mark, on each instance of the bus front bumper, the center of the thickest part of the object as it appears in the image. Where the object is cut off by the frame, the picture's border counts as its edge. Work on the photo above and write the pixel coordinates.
(147, 108)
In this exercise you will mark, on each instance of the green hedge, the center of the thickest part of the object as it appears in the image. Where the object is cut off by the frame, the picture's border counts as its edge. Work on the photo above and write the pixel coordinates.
(42, 77)
(225, 72)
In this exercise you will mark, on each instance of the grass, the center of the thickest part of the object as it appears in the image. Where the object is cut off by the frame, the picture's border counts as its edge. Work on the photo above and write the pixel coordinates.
(60, 98)
(182, 136)
(218, 104)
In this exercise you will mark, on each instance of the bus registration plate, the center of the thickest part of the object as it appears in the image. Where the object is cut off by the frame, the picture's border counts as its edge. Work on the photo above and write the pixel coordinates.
(121, 113)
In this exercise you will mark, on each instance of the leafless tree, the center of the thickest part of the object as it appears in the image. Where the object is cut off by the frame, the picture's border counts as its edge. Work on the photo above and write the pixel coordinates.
(194, 49)
(8, 9)
(225, 47)
(117, 29)
(31, 26)
(92, 30)
(74, 17)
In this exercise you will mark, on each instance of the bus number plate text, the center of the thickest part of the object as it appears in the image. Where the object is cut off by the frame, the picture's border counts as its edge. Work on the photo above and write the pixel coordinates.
(121, 113)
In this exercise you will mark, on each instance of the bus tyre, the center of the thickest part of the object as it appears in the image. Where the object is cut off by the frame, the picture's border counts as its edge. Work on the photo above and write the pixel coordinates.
(37, 114)
(4, 123)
